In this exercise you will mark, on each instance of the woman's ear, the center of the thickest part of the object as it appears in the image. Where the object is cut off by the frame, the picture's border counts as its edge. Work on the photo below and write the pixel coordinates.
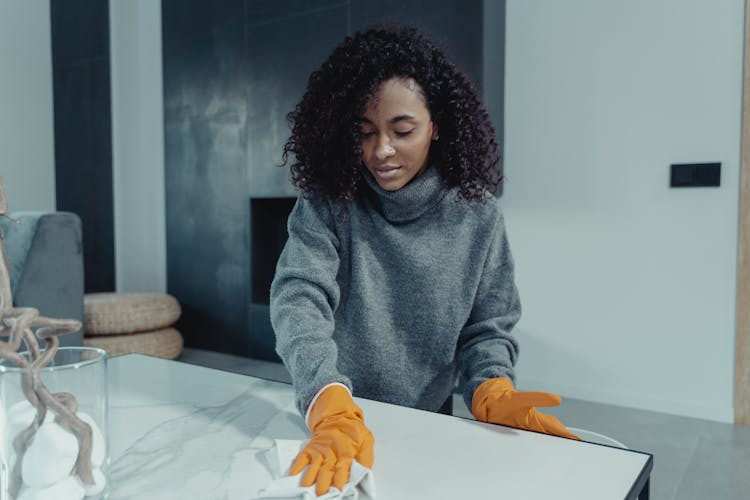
(435, 135)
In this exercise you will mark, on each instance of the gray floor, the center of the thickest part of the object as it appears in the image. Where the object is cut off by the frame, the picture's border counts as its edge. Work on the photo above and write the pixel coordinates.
(693, 459)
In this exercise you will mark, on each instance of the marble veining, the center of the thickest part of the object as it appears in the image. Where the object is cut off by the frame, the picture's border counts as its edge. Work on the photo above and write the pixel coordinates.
(179, 431)
(195, 450)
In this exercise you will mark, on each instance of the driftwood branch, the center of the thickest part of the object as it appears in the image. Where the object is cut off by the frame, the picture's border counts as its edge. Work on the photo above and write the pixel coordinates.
(25, 326)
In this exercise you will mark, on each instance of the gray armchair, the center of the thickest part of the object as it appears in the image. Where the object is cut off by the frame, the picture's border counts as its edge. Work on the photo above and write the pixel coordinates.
(45, 255)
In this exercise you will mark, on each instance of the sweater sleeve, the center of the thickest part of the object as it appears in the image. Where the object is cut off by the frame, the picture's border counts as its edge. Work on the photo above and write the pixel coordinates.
(486, 347)
(304, 296)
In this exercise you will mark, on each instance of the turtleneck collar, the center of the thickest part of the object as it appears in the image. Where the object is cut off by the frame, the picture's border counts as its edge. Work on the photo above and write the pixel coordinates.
(412, 200)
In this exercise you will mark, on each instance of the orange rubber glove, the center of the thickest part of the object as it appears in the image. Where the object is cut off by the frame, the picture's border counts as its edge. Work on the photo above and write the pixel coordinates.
(497, 402)
(339, 436)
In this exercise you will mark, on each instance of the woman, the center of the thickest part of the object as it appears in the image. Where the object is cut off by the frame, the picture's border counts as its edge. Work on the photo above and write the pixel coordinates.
(397, 277)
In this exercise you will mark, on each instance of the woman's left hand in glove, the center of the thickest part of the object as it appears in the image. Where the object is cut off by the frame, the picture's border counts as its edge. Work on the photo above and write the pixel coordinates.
(497, 402)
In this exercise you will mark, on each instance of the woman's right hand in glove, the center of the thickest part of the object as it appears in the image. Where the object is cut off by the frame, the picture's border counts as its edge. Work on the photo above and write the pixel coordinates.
(339, 436)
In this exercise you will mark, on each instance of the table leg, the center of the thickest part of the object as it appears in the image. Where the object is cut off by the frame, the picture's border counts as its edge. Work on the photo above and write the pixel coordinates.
(645, 493)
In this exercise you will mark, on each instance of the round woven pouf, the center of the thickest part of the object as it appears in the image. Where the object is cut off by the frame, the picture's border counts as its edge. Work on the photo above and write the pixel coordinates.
(165, 343)
(113, 313)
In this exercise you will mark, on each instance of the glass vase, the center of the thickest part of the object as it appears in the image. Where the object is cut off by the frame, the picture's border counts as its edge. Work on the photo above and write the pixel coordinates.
(54, 427)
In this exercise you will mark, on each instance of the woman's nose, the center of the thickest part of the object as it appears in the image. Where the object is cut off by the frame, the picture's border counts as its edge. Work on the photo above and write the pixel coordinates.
(384, 150)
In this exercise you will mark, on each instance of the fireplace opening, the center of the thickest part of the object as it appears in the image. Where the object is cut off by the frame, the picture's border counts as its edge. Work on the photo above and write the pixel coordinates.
(268, 235)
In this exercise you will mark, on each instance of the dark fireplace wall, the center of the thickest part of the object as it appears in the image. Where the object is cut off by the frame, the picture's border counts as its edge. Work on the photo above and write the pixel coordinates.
(83, 132)
(232, 70)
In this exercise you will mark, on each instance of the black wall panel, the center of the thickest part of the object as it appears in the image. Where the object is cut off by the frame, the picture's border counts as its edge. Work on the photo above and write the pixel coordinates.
(232, 71)
(454, 25)
(83, 137)
(205, 101)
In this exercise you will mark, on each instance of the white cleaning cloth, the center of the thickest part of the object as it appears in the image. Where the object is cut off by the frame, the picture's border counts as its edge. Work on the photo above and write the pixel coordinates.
(361, 485)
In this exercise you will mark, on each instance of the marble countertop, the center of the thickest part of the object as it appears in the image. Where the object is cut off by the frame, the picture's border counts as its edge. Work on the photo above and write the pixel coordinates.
(181, 431)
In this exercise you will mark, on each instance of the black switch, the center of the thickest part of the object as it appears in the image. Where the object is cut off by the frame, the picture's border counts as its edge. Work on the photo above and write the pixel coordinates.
(695, 175)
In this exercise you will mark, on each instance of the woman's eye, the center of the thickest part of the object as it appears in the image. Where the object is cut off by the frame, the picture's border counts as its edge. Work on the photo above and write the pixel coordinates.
(365, 134)
(404, 133)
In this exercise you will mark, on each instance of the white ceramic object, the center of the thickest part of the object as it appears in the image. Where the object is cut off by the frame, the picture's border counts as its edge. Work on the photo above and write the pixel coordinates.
(98, 450)
(100, 482)
(69, 489)
(20, 417)
(50, 457)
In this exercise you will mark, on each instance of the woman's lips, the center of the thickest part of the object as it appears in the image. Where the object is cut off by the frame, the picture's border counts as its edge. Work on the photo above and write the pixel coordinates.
(387, 172)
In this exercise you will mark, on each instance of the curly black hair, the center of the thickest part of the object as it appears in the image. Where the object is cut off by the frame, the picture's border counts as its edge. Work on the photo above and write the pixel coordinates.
(325, 139)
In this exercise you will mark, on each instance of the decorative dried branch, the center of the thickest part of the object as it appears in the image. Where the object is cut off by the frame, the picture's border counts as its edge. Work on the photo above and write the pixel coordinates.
(25, 326)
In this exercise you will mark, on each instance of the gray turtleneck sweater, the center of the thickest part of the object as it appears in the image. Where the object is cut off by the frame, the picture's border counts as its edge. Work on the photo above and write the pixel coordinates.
(395, 294)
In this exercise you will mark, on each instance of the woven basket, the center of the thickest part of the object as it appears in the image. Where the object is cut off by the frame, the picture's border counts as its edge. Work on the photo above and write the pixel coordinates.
(166, 343)
(114, 313)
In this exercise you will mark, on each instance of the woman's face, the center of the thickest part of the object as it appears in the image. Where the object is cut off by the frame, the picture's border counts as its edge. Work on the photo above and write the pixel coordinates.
(396, 132)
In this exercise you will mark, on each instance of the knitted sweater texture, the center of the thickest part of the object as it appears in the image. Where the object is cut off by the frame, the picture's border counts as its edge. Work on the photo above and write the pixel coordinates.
(396, 294)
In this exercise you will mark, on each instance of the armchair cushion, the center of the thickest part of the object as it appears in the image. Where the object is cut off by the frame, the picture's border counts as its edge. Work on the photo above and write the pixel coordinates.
(45, 254)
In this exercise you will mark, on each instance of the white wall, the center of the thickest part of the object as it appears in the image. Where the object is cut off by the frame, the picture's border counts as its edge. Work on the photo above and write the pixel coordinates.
(27, 153)
(628, 286)
(138, 145)
(27, 128)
